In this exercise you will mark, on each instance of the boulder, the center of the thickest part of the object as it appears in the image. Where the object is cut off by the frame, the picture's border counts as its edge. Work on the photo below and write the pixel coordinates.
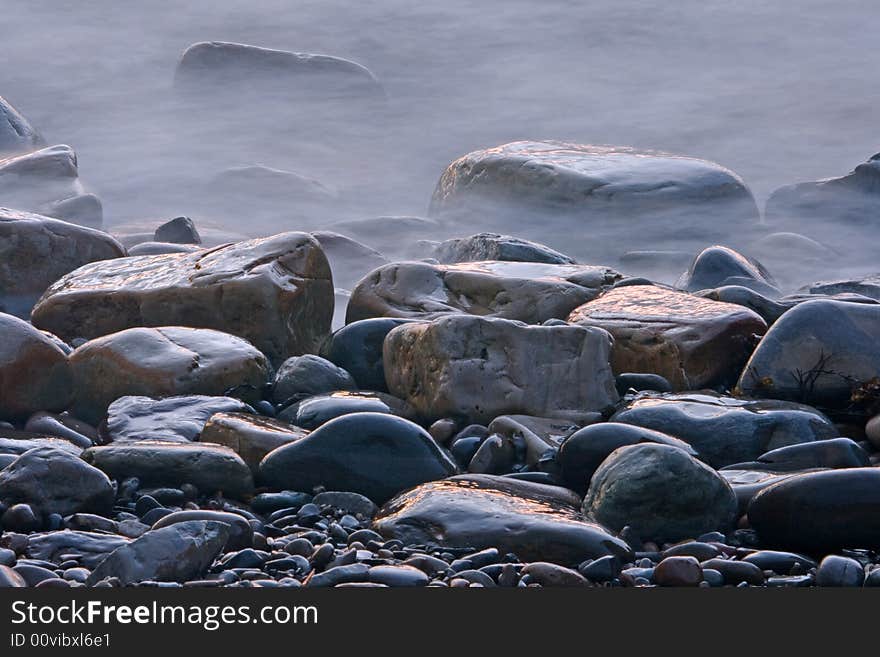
(373, 454)
(35, 251)
(349, 260)
(56, 481)
(16, 134)
(249, 436)
(161, 248)
(822, 352)
(661, 492)
(88, 548)
(312, 412)
(34, 371)
(180, 230)
(161, 362)
(492, 246)
(831, 453)
(866, 286)
(690, 341)
(717, 266)
(725, 430)
(276, 292)
(305, 376)
(476, 368)
(527, 291)
(533, 521)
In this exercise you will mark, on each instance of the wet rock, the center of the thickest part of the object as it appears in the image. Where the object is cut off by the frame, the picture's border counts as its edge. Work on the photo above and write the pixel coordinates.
(526, 291)
(660, 492)
(34, 371)
(180, 230)
(638, 381)
(748, 483)
(476, 368)
(820, 511)
(176, 553)
(492, 246)
(173, 419)
(866, 286)
(820, 352)
(769, 309)
(348, 502)
(736, 572)
(55, 481)
(15, 443)
(691, 341)
(161, 248)
(350, 260)
(839, 571)
(726, 430)
(584, 451)
(357, 348)
(241, 534)
(718, 266)
(88, 548)
(20, 518)
(10, 579)
(603, 569)
(64, 426)
(312, 412)
(678, 571)
(374, 454)
(779, 562)
(276, 292)
(832, 453)
(249, 436)
(16, 134)
(872, 431)
(554, 575)
(161, 362)
(304, 376)
(208, 467)
(397, 576)
(533, 521)
(35, 251)
(536, 439)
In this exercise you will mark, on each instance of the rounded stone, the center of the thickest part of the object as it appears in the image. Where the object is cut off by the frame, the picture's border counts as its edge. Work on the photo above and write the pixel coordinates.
(678, 571)
(305, 376)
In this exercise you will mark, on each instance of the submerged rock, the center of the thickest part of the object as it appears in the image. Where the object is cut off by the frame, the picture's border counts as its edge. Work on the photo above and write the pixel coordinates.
(180, 230)
(719, 265)
(349, 260)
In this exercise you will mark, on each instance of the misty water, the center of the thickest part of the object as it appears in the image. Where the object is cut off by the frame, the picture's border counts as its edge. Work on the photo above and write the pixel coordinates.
(775, 92)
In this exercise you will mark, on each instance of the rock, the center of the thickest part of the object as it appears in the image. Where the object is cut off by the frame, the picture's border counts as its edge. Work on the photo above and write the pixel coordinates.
(162, 362)
(249, 436)
(820, 511)
(16, 134)
(373, 454)
(161, 248)
(88, 548)
(35, 251)
(10, 579)
(208, 467)
(176, 553)
(63, 426)
(174, 419)
(779, 562)
(628, 381)
(604, 188)
(350, 260)
(585, 450)
(534, 438)
(34, 371)
(357, 348)
(824, 353)
(839, 571)
(831, 453)
(492, 246)
(872, 431)
(180, 230)
(142, 231)
(678, 571)
(477, 369)
(661, 492)
(20, 518)
(84, 210)
(736, 572)
(726, 430)
(866, 286)
(275, 292)
(692, 342)
(16, 443)
(349, 502)
(717, 266)
(397, 576)
(551, 574)
(748, 483)
(240, 69)
(533, 521)
(525, 291)
(769, 309)
(241, 534)
(304, 376)
(55, 481)
(312, 412)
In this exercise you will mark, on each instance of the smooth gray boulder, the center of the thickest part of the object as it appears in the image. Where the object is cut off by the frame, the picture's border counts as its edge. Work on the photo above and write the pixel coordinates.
(492, 246)
(180, 230)
(16, 134)
(717, 266)
(304, 376)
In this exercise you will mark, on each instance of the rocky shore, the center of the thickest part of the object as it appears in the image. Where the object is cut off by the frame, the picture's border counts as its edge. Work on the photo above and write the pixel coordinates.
(405, 401)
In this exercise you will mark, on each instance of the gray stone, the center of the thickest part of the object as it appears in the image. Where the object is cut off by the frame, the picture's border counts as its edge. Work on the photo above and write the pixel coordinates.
(835, 570)
(180, 230)
(304, 376)
(16, 134)
(161, 248)
(312, 412)
(241, 534)
(717, 266)
(349, 260)
(492, 246)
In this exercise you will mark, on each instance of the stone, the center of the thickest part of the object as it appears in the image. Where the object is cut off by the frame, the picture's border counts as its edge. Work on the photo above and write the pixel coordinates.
(173, 419)
(397, 576)
(820, 511)
(581, 454)
(161, 362)
(63, 426)
(534, 438)
(276, 292)
(238, 68)
(373, 454)
(678, 571)
(866, 286)
(692, 342)
(56, 481)
(603, 188)
(726, 430)
(534, 521)
(492, 246)
(527, 291)
(305, 376)
(34, 371)
(209, 468)
(718, 266)
(735, 572)
(628, 381)
(476, 368)
(835, 570)
(872, 431)
(15, 443)
(821, 352)
(180, 230)
(16, 134)
(312, 412)
(554, 575)
(349, 502)
(20, 518)
(10, 579)
(35, 251)
(830, 453)
(748, 483)
(161, 248)
(349, 260)
(88, 548)
(249, 436)
(357, 348)
(176, 553)
(779, 562)
(241, 534)
(661, 492)
(83, 209)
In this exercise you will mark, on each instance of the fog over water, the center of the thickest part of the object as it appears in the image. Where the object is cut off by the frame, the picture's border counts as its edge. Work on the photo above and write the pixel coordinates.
(779, 92)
